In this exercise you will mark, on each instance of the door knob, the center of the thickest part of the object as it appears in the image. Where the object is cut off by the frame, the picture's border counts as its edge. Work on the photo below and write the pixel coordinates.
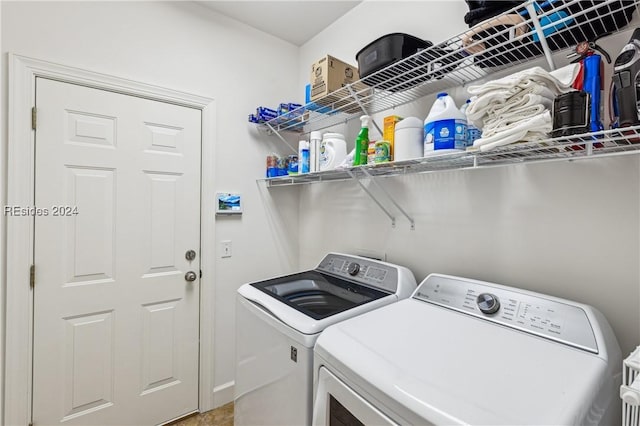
(190, 276)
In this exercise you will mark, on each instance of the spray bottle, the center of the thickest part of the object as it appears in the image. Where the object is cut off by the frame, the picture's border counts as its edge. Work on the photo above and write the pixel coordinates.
(362, 142)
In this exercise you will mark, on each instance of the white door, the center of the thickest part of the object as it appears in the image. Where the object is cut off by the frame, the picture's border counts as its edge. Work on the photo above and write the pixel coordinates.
(115, 319)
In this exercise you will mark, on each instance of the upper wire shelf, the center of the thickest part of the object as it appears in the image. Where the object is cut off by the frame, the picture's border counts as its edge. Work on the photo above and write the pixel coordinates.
(507, 40)
(589, 145)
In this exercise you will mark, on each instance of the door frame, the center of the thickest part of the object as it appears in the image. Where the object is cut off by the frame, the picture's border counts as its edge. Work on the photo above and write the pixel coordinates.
(18, 363)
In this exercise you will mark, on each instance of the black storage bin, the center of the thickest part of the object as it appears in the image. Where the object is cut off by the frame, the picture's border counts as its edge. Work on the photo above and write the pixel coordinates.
(387, 50)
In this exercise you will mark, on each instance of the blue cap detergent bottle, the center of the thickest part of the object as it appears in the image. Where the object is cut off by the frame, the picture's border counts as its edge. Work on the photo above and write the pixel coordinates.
(445, 127)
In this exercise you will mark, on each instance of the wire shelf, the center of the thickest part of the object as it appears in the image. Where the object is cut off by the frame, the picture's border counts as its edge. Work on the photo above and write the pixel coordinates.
(589, 145)
(507, 40)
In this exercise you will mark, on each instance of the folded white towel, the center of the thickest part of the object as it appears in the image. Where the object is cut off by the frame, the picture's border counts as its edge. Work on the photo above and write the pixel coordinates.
(567, 74)
(484, 106)
(516, 105)
(559, 81)
(531, 128)
(511, 119)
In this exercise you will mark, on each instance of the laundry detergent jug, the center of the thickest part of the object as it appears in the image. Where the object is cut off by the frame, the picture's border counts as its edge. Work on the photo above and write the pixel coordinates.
(445, 127)
(333, 151)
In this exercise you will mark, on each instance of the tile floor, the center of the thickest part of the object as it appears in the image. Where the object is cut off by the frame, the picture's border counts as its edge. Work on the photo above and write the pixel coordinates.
(221, 416)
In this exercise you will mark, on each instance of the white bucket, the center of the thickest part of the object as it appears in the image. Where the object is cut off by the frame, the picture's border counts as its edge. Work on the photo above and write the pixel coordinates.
(408, 139)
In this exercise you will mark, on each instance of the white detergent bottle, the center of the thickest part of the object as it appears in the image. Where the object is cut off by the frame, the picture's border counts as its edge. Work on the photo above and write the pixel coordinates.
(445, 127)
(333, 151)
(473, 132)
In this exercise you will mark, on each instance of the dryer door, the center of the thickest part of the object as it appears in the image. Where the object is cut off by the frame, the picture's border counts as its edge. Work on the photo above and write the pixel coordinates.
(337, 403)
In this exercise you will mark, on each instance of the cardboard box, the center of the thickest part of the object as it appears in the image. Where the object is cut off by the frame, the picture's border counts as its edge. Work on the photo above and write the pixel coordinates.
(389, 129)
(329, 76)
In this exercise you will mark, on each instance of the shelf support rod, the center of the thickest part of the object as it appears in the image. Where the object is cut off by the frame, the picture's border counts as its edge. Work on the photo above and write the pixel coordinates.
(355, 97)
(366, 190)
(280, 137)
(409, 218)
(541, 37)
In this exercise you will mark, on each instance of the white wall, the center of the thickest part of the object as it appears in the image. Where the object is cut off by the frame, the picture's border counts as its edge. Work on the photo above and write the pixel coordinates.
(183, 46)
(569, 229)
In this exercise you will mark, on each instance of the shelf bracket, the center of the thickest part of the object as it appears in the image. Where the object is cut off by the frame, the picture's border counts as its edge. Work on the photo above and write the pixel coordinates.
(541, 37)
(366, 190)
(295, 151)
(364, 110)
(381, 188)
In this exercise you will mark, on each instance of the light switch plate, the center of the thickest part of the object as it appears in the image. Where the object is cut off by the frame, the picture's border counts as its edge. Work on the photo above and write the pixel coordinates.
(225, 248)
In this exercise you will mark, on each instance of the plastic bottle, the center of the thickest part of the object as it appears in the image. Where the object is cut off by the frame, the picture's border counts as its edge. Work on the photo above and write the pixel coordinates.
(383, 152)
(473, 132)
(362, 142)
(333, 151)
(445, 127)
(371, 152)
(315, 139)
(303, 157)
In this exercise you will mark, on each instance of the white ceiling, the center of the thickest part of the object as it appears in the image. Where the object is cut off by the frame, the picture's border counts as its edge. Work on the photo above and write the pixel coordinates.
(294, 21)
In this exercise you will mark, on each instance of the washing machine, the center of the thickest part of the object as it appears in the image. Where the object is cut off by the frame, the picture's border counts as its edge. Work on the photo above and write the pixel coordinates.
(461, 351)
(278, 321)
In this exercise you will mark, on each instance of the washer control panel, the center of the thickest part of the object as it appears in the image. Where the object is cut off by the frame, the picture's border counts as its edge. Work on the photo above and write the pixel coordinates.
(534, 314)
(364, 271)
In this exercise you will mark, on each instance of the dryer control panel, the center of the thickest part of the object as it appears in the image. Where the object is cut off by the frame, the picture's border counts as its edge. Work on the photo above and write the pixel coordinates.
(364, 271)
(557, 320)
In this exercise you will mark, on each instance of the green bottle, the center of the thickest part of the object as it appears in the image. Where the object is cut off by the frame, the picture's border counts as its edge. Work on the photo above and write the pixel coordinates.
(362, 142)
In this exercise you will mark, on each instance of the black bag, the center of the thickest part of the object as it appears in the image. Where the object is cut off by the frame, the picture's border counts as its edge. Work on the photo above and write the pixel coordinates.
(510, 36)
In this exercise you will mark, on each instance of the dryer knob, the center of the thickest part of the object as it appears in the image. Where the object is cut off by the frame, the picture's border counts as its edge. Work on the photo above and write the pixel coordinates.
(354, 268)
(488, 303)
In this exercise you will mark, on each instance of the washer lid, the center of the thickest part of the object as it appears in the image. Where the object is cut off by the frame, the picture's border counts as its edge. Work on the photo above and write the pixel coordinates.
(424, 363)
(318, 295)
(306, 303)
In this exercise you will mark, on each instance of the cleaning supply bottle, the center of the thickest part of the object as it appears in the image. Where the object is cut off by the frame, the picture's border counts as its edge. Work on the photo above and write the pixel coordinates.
(362, 142)
(315, 140)
(303, 157)
(333, 151)
(473, 132)
(445, 127)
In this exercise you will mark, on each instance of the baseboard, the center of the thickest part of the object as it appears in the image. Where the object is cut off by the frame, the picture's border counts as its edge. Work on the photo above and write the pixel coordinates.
(223, 394)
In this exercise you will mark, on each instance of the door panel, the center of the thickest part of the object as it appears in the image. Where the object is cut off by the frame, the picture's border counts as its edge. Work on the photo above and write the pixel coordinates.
(89, 359)
(91, 235)
(115, 321)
